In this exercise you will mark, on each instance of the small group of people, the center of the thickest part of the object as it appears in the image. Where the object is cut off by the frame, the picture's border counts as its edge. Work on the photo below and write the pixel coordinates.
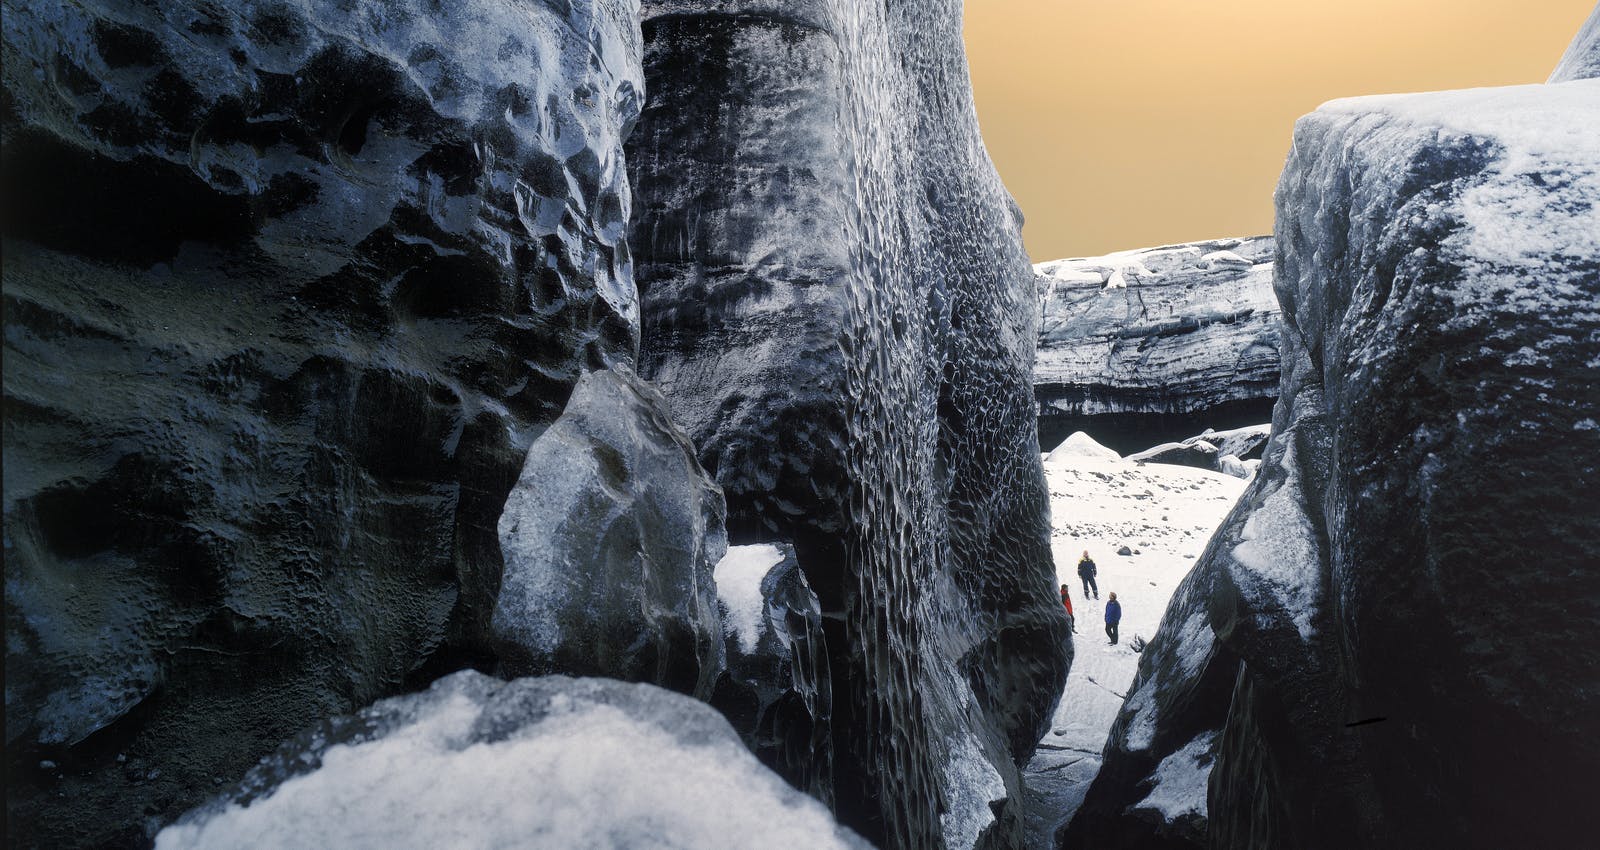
(1091, 590)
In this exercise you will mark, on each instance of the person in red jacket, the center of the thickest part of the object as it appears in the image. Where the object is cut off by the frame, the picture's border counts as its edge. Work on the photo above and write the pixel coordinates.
(1067, 601)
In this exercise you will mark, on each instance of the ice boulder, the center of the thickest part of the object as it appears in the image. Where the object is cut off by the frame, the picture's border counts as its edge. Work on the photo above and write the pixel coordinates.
(1231, 465)
(1081, 445)
(610, 539)
(1196, 453)
(1224, 259)
(1212, 449)
(539, 762)
(1244, 443)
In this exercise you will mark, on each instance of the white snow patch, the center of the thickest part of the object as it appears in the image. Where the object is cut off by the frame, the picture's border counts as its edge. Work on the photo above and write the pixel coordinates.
(1276, 545)
(971, 783)
(1586, 425)
(588, 776)
(739, 576)
(1080, 445)
(1197, 640)
(1141, 731)
(1181, 780)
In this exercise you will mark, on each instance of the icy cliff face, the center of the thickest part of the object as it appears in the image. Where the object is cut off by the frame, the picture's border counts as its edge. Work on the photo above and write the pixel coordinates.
(1143, 347)
(1582, 59)
(289, 290)
(838, 307)
(1405, 595)
(739, 168)
(548, 762)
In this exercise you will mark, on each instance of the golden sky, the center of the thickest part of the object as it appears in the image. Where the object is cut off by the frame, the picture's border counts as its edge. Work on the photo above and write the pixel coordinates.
(1130, 123)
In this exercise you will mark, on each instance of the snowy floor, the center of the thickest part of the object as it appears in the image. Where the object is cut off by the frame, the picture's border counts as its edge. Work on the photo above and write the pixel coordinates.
(1165, 512)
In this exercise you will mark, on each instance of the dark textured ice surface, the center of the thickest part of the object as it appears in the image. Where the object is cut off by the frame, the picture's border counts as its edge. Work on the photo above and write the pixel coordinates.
(1152, 346)
(837, 304)
(289, 289)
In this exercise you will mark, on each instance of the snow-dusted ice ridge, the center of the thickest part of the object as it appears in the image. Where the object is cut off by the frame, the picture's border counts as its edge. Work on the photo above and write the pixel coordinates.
(1511, 225)
(973, 784)
(1277, 545)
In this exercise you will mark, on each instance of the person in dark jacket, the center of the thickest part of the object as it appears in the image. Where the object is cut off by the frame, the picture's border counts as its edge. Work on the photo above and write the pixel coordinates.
(1067, 602)
(1113, 616)
(1086, 571)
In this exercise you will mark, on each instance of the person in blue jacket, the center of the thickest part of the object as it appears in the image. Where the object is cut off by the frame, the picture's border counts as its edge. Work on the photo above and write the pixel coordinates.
(1113, 616)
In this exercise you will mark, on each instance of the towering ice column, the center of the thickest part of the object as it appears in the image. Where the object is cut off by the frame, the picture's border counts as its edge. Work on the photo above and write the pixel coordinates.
(838, 307)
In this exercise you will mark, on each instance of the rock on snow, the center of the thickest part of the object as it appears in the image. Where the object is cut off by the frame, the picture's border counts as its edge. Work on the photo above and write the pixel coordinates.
(546, 762)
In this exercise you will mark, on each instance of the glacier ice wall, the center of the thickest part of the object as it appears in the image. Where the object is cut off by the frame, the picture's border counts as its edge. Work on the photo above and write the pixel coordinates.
(776, 690)
(1150, 346)
(1402, 610)
(838, 307)
(289, 289)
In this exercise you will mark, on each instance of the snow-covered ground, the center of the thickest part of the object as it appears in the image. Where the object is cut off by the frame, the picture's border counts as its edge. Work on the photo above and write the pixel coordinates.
(554, 761)
(1166, 513)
